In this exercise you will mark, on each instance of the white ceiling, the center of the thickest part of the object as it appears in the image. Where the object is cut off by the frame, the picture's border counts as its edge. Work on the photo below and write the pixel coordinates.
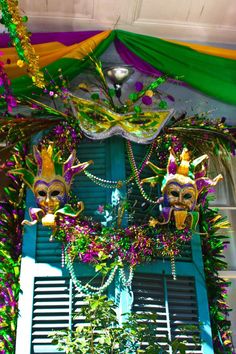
(190, 20)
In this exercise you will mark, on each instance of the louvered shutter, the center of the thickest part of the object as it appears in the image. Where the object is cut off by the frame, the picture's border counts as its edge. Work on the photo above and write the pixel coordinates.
(181, 305)
(56, 306)
(51, 310)
(48, 297)
(175, 304)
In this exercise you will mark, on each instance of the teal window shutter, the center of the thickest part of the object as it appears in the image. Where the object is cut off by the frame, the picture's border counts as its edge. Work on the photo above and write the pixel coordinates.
(48, 296)
(177, 303)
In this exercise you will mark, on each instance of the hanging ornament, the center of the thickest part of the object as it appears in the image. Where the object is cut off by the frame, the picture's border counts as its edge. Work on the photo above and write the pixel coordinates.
(181, 185)
(99, 122)
(50, 180)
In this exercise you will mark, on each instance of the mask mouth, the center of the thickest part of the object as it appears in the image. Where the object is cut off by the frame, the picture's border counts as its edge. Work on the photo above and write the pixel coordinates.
(49, 207)
(50, 210)
(180, 206)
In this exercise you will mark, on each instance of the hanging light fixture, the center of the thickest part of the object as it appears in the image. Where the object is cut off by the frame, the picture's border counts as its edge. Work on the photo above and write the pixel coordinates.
(118, 75)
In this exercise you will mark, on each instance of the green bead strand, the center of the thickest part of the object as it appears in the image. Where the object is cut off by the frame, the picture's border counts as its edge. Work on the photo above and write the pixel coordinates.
(136, 175)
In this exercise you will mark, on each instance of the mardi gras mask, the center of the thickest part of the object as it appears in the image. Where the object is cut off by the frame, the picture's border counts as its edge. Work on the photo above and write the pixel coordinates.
(98, 122)
(50, 196)
(50, 180)
(181, 186)
(180, 193)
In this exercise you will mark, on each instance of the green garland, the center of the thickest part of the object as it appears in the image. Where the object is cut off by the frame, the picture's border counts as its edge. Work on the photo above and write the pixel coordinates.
(213, 243)
(20, 38)
(11, 216)
(94, 243)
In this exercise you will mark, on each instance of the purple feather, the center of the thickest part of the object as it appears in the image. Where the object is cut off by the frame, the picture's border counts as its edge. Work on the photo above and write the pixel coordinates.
(69, 162)
(38, 159)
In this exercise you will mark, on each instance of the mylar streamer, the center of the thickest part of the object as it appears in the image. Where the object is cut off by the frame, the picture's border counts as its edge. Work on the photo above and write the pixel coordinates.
(181, 186)
(50, 180)
(19, 34)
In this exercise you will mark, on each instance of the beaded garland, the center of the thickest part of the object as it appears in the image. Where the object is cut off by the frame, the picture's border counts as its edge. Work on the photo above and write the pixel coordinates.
(19, 34)
(135, 173)
(90, 242)
(88, 289)
(116, 184)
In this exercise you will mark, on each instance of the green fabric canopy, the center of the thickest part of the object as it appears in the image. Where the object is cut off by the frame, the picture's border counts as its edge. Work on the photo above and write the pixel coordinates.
(212, 75)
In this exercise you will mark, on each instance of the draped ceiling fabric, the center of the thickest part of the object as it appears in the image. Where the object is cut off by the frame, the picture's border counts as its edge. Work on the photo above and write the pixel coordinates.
(208, 69)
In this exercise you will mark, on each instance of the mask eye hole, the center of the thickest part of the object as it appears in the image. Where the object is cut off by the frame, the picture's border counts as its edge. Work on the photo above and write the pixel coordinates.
(55, 193)
(174, 193)
(42, 193)
(187, 196)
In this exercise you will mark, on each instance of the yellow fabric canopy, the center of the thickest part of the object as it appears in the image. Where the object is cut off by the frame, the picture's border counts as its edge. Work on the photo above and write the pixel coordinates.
(50, 52)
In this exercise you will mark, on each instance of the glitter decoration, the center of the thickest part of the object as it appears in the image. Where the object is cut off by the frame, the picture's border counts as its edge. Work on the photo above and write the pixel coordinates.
(5, 89)
(19, 35)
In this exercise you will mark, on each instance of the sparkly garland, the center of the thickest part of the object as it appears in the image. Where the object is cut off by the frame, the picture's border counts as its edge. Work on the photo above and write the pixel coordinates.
(5, 90)
(11, 216)
(90, 242)
(19, 34)
(213, 244)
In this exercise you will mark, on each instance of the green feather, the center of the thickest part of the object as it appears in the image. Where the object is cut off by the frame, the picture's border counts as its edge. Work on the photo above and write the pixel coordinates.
(27, 176)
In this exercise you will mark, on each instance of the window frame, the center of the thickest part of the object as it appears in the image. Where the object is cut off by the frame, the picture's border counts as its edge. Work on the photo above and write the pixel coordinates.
(30, 269)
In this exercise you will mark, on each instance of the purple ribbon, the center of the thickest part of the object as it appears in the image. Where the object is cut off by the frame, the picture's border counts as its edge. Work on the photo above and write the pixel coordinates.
(132, 59)
(67, 38)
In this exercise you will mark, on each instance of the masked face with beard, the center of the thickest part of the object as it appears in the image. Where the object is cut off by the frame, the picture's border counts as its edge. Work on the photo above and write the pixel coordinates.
(50, 196)
(180, 193)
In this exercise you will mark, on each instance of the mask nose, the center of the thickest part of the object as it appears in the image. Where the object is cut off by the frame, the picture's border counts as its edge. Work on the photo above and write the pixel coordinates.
(180, 198)
(48, 199)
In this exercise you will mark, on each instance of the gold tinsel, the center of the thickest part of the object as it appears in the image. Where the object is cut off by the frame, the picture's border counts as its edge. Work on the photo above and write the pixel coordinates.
(30, 58)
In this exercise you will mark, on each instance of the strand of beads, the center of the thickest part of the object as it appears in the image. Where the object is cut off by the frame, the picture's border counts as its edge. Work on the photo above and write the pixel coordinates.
(136, 174)
(115, 184)
(172, 261)
(102, 182)
(126, 281)
(78, 285)
(87, 289)
(143, 162)
(62, 256)
(106, 284)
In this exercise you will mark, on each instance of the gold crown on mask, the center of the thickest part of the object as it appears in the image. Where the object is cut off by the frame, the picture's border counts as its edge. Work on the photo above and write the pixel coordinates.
(48, 165)
(185, 168)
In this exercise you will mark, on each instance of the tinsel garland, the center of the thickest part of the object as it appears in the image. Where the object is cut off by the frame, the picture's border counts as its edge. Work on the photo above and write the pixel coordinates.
(213, 243)
(19, 35)
(91, 242)
(6, 96)
(11, 216)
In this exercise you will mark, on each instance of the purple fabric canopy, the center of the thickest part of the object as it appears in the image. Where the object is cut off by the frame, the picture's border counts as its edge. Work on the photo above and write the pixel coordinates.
(132, 59)
(67, 38)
